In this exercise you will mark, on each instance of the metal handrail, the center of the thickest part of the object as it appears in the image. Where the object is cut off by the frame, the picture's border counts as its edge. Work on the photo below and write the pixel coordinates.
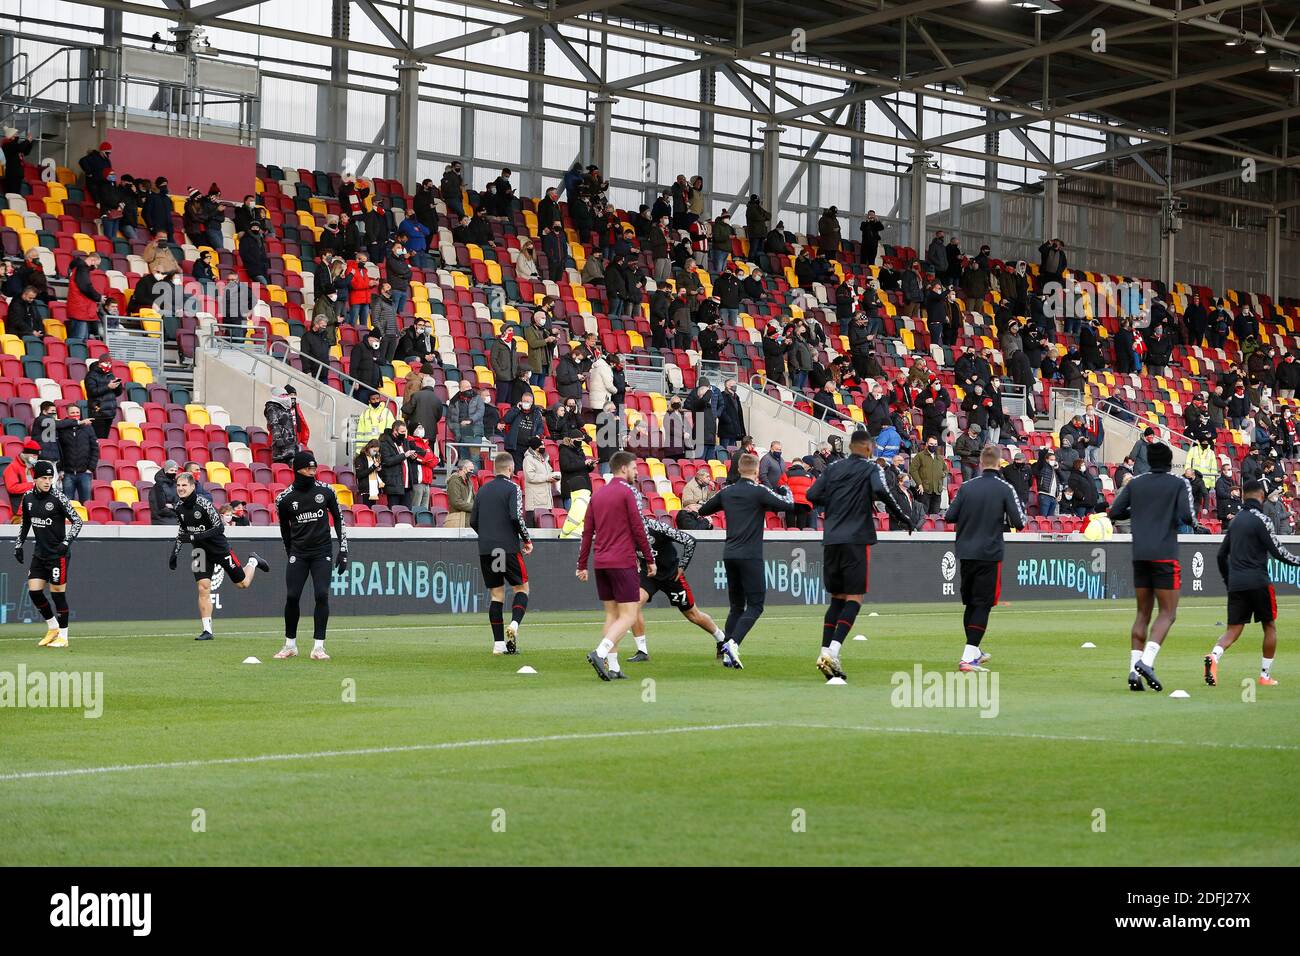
(290, 350)
(852, 424)
(1105, 405)
(210, 340)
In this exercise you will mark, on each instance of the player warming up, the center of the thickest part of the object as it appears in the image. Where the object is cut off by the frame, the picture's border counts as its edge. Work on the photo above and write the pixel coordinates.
(498, 520)
(1243, 562)
(673, 550)
(305, 509)
(1157, 502)
(985, 507)
(613, 534)
(202, 527)
(848, 490)
(53, 523)
(745, 504)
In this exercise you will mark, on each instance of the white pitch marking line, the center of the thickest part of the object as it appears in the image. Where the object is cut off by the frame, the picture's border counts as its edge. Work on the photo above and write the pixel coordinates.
(1076, 738)
(371, 751)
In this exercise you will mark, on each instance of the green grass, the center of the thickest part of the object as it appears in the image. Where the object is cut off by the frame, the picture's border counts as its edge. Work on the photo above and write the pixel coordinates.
(1204, 781)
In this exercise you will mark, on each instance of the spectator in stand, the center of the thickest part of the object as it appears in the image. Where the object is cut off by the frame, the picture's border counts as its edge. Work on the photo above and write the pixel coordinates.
(871, 229)
(1047, 482)
(720, 242)
(936, 312)
(103, 389)
(1139, 453)
(460, 493)
(15, 148)
(555, 246)
(505, 362)
(368, 471)
(538, 478)
(1239, 406)
(600, 382)
(731, 418)
(610, 435)
(25, 317)
(465, 415)
(700, 403)
(360, 289)
(315, 346)
(383, 319)
(1196, 320)
(78, 454)
(575, 464)
(771, 467)
(522, 423)
(18, 474)
(422, 409)
(396, 458)
(364, 367)
(1220, 324)
(452, 189)
(968, 446)
(952, 255)
(83, 298)
(164, 503)
(929, 472)
(1019, 476)
(698, 490)
(933, 403)
(1094, 431)
(253, 255)
(1052, 264)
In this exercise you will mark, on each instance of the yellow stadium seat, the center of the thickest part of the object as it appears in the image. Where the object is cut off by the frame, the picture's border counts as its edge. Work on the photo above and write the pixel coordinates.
(475, 252)
(419, 293)
(53, 207)
(278, 296)
(56, 328)
(129, 431)
(218, 473)
(318, 207)
(494, 272)
(292, 263)
(27, 240)
(65, 175)
(718, 468)
(279, 327)
(140, 372)
(13, 345)
(484, 376)
(197, 415)
(81, 510)
(124, 491)
(658, 403)
(422, 309)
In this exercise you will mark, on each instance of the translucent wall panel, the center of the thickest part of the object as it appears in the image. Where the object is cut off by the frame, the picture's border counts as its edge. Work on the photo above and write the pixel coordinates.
(496, 137)
(365, 115)
(438, 130)
(626, 158)
(288, 106)
(559, 145)
(677, 158)
(835, 190)
(286, 153)
(730, 171)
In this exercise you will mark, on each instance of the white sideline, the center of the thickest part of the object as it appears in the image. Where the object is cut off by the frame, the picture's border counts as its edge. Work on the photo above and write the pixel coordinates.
(372, 751)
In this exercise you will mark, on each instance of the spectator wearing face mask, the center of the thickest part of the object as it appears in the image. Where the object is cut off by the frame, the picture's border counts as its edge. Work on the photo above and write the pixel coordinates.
(374, 421)
(18, 475)
(163, 500)
(383, 317)
(541, 348)
(929, 471)
(522, 423)
(460, 493)
(396, 461)
(422, 466)
(368, 473)
(504, 360)
(465, 415)
(575, 464)
(364, 366)
(1048, 483)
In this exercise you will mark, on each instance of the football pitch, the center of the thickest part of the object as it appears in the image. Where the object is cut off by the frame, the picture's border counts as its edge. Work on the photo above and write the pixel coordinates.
(415, 746)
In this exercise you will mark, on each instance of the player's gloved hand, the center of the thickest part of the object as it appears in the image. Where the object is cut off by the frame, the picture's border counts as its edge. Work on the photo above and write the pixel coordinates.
(341, 562)
(18, 553)
(171, 561)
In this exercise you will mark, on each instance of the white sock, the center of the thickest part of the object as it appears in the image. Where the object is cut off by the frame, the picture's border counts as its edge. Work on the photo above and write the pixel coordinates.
(1265, 663)
(612, 660)
(207, 624)
(1149, 653)
(835, 648)
(603, 648)
(63, 633)
(51, 622)
(640, 644)
(1133, 658)
(718, 635)
(498, 647)
(318, 646)
(970, 654)
(1217, 653)
(291, 642)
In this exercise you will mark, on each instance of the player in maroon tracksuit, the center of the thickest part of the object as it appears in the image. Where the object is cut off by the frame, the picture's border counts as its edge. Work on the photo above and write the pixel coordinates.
(615, 525)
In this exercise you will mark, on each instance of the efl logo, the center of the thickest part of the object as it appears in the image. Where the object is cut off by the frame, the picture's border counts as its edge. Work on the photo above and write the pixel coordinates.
(1198, 569)
(948, 568)
(74, 909)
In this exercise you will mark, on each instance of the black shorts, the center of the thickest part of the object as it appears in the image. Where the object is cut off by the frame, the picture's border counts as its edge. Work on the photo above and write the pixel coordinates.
(50, 570)
(1164, 575)
(981, 582)
(1259, 603)
(846, 568)
(678, 591)
(205, 562)
(498, 572)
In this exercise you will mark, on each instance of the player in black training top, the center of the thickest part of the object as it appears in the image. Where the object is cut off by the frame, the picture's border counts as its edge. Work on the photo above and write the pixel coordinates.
(305, 509)
(1243, 562)
(211, 555)
(53, 523)
(848, 491)
(673, 550)
(498, 520)
(746, 504)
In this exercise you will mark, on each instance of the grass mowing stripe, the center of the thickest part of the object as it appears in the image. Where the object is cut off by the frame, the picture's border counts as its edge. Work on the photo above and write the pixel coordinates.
(371, 751)
(1069, 738)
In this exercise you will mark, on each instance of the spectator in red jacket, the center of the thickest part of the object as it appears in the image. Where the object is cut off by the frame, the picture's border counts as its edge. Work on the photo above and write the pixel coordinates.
(83, 298)
(18, 476)
(359, 289)
(799, 481)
